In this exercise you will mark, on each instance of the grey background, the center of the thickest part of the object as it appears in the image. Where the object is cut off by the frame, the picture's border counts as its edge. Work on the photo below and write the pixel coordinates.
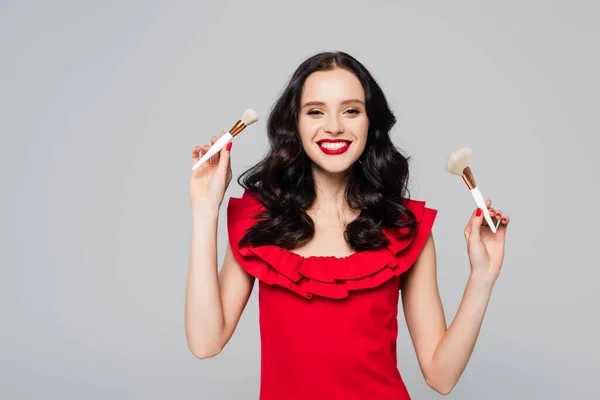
(102, 102)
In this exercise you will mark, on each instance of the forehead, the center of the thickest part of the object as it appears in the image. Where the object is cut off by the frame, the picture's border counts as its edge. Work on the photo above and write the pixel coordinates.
(332, 86)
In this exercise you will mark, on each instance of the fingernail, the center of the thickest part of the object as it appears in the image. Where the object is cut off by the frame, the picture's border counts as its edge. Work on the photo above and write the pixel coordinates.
(504, 219)
(229, 146)
(478, 212)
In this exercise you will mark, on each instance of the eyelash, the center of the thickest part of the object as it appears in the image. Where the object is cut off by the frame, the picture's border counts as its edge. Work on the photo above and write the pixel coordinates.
(317, 112)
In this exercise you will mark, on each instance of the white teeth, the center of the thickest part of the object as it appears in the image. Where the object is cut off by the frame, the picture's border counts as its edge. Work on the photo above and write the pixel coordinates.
(333, 146)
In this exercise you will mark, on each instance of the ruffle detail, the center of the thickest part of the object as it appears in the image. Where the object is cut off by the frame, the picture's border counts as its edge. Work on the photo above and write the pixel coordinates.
(326, 276)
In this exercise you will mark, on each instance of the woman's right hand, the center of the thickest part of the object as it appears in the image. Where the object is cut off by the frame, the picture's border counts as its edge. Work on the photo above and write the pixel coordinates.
(210, 181)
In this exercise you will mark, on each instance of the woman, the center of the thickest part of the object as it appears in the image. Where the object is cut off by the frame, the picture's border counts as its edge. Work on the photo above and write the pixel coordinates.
(326, 226)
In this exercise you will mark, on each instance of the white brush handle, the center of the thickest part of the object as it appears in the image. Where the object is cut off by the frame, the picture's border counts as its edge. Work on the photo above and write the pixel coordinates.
(214, 149)
(480, 201)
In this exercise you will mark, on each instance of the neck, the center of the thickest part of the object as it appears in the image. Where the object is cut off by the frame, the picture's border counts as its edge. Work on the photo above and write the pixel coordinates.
(330, 190)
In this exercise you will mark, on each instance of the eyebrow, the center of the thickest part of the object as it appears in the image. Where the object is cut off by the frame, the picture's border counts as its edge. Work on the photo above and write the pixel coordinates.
(320, 103)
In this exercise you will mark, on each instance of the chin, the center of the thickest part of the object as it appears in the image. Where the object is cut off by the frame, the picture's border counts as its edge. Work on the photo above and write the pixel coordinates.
(334, 165)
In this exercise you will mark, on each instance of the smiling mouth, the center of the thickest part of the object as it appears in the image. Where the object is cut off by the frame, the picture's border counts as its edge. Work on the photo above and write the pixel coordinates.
(334, 147)
(333, 144)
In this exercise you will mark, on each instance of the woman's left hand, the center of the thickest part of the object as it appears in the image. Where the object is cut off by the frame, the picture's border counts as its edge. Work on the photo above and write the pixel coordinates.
(485, 248)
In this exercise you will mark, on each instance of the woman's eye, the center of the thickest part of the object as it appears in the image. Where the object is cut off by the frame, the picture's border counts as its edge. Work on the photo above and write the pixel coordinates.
(352, 111)
(314, 112)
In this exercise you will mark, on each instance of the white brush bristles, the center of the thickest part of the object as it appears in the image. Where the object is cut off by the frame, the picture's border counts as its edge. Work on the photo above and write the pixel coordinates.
(459, 160)
(249, 117)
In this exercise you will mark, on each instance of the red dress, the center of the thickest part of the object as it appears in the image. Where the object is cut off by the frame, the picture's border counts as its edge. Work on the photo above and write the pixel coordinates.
(328, 325)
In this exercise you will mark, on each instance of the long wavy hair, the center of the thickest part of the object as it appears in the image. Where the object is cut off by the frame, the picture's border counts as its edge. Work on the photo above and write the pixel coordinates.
(283, 180)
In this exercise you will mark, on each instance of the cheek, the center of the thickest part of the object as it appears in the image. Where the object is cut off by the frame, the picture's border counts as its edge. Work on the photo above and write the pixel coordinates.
(307, 129)
(360, 128)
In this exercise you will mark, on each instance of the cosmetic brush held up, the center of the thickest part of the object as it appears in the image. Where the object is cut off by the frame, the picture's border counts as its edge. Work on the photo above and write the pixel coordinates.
(459, 163)
(247, 119)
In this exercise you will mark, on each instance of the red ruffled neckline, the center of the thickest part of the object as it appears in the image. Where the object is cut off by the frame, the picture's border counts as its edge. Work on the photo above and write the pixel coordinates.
(326, 276)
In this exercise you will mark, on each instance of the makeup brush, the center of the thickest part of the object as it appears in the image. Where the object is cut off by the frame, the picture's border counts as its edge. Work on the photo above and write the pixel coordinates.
(459, 163)
(247, 119)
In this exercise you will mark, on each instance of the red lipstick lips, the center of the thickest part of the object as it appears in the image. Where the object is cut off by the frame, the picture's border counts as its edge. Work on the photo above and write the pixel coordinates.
(334, 146)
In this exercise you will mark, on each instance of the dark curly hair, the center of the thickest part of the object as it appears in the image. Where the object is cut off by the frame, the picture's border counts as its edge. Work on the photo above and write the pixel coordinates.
(283, 180)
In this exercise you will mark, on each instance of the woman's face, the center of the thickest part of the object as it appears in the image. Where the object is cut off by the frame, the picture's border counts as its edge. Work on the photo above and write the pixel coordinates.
(333, 121)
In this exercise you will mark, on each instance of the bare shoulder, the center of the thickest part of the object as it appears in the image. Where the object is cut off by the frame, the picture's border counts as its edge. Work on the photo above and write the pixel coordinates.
(424, 269)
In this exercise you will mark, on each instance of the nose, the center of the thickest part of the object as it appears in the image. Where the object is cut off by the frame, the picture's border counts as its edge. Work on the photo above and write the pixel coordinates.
(333, 125)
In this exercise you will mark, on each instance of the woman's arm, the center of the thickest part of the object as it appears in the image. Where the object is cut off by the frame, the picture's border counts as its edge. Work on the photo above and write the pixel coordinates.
(213, 302)
(443, 353)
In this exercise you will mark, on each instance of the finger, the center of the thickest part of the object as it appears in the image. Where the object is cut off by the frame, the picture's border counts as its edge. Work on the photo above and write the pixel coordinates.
(488, 204)
(225, 159)
(498, 214)
(467, 230)
(215, 158)
(502, 226)
(475, 228)
(205, 149)
(494, 213)
(196, 154)
(468, 226)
